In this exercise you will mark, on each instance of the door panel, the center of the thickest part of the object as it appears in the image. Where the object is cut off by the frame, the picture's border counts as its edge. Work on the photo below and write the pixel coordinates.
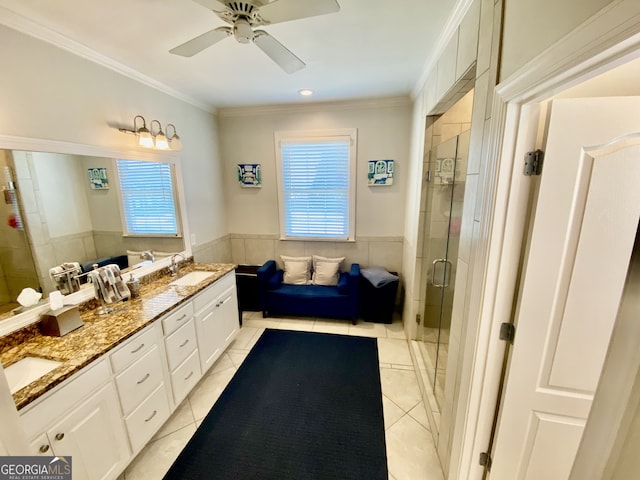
(544, 433)
(585, 223)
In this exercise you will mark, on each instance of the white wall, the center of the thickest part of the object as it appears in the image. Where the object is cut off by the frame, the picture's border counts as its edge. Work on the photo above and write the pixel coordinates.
(49, 93)
(63, 198)
(532, 26)
(103, 205)
(383, 133)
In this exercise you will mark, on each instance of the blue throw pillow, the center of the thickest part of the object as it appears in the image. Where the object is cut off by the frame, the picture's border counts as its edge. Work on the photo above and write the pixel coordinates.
(378, 276)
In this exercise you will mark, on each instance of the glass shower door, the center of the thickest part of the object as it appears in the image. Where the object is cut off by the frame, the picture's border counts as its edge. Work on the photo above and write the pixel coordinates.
(447, 168)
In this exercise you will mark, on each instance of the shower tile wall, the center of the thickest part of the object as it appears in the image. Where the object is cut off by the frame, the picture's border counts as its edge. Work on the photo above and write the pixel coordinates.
(16, 266)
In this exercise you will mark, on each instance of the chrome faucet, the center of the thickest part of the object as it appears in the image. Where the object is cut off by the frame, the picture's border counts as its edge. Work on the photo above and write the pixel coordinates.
(147, 255)
(175, 266)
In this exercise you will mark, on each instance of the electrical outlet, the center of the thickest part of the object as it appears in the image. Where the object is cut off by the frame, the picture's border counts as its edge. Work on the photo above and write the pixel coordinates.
(193, 239)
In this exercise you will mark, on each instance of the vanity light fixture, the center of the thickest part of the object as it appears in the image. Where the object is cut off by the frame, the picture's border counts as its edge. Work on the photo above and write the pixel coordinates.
(144, 135)
(160, 138)
(148, 140)
(174, 140)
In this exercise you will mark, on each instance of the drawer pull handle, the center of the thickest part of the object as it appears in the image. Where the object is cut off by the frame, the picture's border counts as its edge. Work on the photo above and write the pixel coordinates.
(44, 448)
(184, 343)
(138, 349)
(152, 415)
(189, 376)
(143, 379)
(184, 315)
(59, 436)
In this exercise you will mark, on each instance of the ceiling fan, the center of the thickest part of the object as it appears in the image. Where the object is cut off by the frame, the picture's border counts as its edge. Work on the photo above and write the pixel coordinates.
(243, 16)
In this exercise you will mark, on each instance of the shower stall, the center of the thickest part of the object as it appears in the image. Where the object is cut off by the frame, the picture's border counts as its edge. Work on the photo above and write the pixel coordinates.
(445, 177)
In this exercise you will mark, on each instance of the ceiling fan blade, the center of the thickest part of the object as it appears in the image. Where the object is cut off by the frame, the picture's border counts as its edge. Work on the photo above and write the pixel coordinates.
(196, 45)
(277, 52)
(214, 5)
(286, 10)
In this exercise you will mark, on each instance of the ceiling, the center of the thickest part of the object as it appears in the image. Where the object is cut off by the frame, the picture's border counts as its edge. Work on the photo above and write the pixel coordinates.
(370, 48)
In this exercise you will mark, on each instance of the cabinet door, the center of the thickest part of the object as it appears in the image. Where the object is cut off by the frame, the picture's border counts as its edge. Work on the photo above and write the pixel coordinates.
(217, 324)
(41, 446)
(211, 335)
(93, 435)
(227, 307)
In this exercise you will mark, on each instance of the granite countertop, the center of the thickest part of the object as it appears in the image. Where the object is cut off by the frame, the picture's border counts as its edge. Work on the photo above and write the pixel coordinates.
(102, 333)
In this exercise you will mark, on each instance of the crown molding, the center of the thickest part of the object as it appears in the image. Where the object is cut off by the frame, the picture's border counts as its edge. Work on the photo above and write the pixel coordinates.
(453, 22)
(33, 29)
(377, 102)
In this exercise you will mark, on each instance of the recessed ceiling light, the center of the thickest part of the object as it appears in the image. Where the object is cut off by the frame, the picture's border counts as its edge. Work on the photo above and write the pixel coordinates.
(305, 92)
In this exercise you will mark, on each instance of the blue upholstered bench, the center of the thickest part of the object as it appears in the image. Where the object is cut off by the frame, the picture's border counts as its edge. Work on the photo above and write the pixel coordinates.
(277, 298)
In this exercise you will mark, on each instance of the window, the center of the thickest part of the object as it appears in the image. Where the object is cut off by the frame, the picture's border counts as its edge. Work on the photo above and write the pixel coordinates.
(316, 174)
(148, 198)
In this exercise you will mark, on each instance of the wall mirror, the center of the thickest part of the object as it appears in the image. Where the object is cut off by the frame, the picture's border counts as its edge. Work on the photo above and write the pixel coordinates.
(62, 203)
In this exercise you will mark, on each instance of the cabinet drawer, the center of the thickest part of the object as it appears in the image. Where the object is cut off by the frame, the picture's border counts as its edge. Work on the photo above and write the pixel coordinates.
(139, 380)
(211, 292)
(50, 407)
(145, 420)
(180, 344)
(133, 349)
(174, 320)
(184, 378)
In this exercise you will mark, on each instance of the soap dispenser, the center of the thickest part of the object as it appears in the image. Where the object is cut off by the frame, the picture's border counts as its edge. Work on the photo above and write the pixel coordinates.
(134, 286)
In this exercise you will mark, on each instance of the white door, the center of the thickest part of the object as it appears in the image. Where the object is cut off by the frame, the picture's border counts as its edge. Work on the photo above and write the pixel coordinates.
(585, 224)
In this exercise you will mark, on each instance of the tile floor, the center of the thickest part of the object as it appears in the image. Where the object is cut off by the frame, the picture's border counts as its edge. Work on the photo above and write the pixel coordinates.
(411, 453)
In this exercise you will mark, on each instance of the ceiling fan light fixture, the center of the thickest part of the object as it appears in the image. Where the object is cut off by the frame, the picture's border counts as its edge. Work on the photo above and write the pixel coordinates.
(242, 31)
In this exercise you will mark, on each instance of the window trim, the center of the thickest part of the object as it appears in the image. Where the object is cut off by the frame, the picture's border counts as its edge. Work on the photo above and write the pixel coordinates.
(315, 135)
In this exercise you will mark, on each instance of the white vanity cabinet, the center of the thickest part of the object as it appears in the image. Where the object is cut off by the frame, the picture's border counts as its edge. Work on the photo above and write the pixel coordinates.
(217, 321)
(82, 420)
(139, 375)
(105, 414)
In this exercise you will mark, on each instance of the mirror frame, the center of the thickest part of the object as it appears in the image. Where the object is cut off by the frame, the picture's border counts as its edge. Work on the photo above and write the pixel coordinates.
(8, 142)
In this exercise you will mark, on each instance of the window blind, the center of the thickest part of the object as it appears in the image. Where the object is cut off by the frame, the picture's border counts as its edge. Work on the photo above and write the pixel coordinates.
(148, 198)
(316, 188)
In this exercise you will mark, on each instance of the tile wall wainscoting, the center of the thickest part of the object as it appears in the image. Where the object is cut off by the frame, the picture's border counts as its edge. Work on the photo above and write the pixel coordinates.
(215, 251)
(367, 251)
(411, 453)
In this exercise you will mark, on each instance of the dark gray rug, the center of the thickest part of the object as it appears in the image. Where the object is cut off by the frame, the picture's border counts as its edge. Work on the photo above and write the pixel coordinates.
(302, 406)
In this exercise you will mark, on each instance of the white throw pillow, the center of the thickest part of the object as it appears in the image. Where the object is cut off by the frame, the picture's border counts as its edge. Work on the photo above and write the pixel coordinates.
(326, 271)
(297, 270)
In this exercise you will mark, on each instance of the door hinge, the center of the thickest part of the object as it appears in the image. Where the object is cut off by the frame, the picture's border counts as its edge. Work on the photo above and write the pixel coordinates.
(508, 332)
(418, 318)
(533, 163)
(485, 460)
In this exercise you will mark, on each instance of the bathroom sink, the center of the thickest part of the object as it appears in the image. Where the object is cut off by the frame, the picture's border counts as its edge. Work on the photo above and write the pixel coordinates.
(27, 370)
(191, 279)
